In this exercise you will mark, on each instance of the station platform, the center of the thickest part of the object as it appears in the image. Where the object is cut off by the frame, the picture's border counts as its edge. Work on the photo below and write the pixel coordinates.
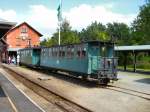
(20, 101)
(5, 105)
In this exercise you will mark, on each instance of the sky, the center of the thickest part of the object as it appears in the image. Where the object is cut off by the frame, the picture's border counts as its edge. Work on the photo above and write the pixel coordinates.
(42, 14)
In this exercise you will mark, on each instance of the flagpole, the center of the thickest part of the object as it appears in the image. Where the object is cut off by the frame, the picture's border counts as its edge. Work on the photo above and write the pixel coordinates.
(59, 32)
(59, 19)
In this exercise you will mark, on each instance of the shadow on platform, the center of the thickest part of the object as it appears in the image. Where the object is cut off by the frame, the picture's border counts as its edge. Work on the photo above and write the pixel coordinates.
(2, 94)
(145, 80)
(137, 71)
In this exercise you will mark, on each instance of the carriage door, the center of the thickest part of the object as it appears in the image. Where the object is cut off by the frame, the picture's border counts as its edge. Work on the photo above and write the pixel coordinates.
(94, 57)
(36, 56)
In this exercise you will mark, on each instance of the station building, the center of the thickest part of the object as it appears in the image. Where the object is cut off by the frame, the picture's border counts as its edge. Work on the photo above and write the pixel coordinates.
(18, 37)
(21, 36)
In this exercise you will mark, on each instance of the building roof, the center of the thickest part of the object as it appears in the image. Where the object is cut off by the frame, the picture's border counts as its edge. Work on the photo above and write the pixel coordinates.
(5, 22)
(27, 25)
(133, 48)
(5, 26)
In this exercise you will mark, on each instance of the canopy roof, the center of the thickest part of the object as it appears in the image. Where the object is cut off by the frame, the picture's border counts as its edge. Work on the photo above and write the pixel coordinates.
(133, 48)
(5, 26)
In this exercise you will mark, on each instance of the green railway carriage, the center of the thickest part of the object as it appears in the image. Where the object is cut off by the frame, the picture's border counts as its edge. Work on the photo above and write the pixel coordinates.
(30, 56)
(93, 59)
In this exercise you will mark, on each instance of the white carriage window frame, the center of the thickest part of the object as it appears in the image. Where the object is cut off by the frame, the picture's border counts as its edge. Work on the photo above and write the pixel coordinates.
(46, 53)
(49, 52)
(42, 52)
(53, 52)
(72, 51)
(30, 52)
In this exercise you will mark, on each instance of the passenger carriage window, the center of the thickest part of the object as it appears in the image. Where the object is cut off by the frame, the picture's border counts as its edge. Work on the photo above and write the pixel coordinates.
(28, 52)
(83, 53)
(44, 51)
(78, 51)
(54, 52)
(63, 52)
(57, 50)
(60, 51)
(70, 52)
(47, 52)
(41, 52)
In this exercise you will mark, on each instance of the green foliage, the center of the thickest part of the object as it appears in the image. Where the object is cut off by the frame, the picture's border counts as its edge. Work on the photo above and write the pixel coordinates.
(96, 31)
(46, 42)
(119, 32)
(68, 36)
(141, 26)
(43, 42)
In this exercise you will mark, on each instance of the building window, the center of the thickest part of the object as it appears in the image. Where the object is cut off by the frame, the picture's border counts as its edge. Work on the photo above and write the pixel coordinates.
(24, 30)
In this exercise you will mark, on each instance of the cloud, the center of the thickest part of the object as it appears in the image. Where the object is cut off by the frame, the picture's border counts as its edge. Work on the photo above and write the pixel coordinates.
(83, 15)
(8, 15)
(45, 20)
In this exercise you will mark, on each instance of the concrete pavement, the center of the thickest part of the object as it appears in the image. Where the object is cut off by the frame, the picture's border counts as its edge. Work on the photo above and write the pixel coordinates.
(5, 105)
(20, 101)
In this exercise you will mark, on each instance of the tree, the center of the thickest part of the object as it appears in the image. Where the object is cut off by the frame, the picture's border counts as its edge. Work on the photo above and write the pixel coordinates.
(141, 26)
(43, 42)
(119, 32)
(95, 31)
(68, 36)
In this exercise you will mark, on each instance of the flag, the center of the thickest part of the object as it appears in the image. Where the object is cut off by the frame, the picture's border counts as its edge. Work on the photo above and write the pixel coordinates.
(59, 9)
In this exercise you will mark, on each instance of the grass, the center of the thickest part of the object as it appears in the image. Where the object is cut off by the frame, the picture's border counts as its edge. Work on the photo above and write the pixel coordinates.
(131, 68)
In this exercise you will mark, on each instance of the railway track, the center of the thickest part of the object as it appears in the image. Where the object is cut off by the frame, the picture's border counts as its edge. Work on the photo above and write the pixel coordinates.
(129, 91)
(62, 103)
(93, 83)
(111, 87)
(67, 107)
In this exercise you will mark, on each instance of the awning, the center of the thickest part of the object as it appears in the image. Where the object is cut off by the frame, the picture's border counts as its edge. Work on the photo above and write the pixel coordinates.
(13, 49)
